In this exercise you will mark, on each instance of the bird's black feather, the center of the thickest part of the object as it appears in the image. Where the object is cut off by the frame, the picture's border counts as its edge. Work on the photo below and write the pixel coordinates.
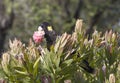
(51, 38)
(49, 35)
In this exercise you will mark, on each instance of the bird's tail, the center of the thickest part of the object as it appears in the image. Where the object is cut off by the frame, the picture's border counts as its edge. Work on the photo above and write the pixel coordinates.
(85, 65)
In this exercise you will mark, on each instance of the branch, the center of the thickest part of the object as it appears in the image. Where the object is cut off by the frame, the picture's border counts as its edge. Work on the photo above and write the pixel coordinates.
(9, 21)
(77, 13)
(79, 7)
(66, 5)
(6, 23)
(94, 21)
(96, 17)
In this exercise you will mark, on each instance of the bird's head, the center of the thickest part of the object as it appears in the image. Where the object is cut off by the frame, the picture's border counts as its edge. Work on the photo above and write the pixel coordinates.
(46, 27)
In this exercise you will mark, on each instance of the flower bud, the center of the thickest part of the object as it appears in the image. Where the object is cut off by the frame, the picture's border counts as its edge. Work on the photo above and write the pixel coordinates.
(111, 78)
(113, 37)
(67, 81)
(5, 58)
(78, 26)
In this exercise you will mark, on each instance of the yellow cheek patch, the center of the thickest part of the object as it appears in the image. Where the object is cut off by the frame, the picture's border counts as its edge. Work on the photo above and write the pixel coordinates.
(49, 28)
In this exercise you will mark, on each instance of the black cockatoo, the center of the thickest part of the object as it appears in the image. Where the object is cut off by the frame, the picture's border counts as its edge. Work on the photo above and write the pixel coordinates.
(51, 36)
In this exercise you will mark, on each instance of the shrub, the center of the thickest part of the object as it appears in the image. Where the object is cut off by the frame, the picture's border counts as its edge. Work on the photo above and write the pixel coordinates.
(36, 64)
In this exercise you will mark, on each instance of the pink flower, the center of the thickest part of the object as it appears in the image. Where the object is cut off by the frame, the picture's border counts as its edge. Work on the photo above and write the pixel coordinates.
(38, 36)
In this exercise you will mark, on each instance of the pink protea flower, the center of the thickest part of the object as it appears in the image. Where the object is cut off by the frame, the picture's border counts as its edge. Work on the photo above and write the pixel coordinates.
(38, 36)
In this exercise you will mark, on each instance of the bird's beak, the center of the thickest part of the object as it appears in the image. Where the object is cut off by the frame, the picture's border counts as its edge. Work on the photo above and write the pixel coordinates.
(40, 29)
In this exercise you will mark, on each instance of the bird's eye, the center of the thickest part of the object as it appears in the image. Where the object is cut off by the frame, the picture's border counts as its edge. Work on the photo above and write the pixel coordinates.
(49, 28)
(40, 28)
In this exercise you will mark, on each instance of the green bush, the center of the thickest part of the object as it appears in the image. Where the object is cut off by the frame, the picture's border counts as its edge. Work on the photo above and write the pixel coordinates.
(36, 64)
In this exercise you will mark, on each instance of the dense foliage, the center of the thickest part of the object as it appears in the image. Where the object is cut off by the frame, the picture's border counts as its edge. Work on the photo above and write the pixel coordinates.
(36, 64)
(28, 14)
